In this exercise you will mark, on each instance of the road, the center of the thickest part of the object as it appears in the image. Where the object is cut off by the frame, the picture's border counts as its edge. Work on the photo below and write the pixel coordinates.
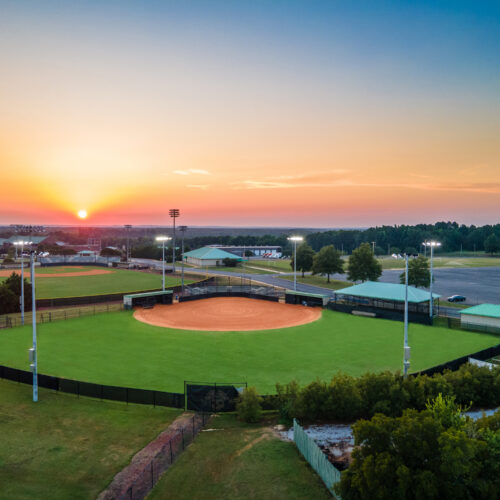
(478, 284)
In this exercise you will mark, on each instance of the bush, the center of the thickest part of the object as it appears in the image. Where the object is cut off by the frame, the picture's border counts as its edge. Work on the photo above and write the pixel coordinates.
(351, 398)
(249, 405)
(8, 260)
(228, 262)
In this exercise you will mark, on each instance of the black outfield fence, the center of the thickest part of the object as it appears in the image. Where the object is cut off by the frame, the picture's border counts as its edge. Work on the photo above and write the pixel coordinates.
(455, 364)
(98, 391)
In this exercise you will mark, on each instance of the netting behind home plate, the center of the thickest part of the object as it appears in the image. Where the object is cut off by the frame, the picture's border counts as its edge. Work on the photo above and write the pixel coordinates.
(228, 286)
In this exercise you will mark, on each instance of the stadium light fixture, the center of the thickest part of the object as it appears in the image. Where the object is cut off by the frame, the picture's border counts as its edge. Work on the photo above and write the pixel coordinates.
(295, 239)
(21, 244)
(174, 213)
(431, 244)
(163, 239)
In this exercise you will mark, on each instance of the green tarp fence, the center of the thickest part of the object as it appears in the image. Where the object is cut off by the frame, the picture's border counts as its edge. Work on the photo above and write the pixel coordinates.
(316, 458)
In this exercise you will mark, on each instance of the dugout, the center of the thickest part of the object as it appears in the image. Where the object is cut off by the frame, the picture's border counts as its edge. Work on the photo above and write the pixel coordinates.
(385, 300)
(147, 299)
(311, 299)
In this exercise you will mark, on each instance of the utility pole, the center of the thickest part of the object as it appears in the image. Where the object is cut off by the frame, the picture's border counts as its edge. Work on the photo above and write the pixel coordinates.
(174, 213)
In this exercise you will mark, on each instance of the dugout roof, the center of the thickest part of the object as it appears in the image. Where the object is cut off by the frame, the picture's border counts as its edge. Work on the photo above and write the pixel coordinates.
(387, 291)
(489, 310)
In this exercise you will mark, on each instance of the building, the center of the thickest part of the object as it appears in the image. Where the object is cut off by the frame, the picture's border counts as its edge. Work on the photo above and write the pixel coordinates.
(385, 300)
(208, 256)
(484, 317)
(266, 251)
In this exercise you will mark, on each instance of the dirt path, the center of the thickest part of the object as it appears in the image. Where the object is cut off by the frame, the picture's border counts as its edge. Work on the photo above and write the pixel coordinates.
(228, 314)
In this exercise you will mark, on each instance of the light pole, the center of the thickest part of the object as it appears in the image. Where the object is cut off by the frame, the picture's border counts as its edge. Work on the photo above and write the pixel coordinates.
(128, 227)
(406, 354)
(295, 239)
(174, 213)
(163, 239)
(182, 229)
(33, 350)
(21, 244)
(431, 244)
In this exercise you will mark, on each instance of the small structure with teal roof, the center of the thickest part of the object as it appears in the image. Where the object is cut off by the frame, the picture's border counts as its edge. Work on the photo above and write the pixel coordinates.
(209, 256)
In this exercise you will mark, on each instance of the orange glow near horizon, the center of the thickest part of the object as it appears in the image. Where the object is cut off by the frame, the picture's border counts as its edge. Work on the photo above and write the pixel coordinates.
(281, 128)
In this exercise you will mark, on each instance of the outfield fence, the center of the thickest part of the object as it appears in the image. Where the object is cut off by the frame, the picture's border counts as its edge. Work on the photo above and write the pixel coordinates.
(97, 391)
(329, 474)
(13, 320)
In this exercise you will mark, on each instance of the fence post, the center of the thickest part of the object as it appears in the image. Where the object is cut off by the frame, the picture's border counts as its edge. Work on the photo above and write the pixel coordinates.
(171, 456)
(152, 475)
(182, 432)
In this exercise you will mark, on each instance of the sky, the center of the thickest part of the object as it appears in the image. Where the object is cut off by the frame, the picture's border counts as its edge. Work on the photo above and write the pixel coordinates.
(259, 113)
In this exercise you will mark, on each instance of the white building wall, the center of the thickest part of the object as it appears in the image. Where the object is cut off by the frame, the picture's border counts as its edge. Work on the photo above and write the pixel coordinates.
(481, 321)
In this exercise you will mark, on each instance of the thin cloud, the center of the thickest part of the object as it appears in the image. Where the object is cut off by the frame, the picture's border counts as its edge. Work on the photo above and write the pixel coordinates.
(196, 171)
(204, 187)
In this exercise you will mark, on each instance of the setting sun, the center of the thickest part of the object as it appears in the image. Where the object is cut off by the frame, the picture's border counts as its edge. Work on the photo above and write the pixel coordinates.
(82, 214)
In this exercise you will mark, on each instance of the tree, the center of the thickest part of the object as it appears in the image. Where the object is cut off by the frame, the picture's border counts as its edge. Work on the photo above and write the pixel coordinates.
(363, 265)
(10, 294)
(9, 303)
(328, 261)
(110, 252)
(305, 258)
(419, 273)
(228, 262)
(421, 455)
(492, 244)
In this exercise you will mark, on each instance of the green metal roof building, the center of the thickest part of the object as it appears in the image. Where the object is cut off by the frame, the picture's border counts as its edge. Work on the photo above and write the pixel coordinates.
(387, 291)
(209, 256)
(385, 300)
(485, 317)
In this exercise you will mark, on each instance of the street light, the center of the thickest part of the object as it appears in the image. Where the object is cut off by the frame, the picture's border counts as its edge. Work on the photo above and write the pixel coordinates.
(182, 229)
(431, 244)
(295, 239)
(406, 350)
(163, 239)
(33, 350)
(21, 244)
(174, 213)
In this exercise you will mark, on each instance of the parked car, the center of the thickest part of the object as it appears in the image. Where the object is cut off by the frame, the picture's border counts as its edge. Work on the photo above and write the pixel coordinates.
(456, 298)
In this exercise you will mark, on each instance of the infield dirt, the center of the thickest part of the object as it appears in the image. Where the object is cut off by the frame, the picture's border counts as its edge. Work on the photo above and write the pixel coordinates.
(228, 314)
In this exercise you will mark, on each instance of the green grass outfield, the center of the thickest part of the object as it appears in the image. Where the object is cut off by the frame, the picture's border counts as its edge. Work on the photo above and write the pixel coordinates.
(67, 447)
(116, 349)
(120, 280)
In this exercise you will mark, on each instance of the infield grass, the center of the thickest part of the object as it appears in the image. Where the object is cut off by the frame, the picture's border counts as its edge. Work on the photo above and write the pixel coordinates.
(119, 280)
(115, 349)
(239, 461)
(63, 447)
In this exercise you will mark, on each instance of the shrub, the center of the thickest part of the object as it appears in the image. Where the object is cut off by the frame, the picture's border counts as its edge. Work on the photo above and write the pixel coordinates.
(249, 405)
(8, 260)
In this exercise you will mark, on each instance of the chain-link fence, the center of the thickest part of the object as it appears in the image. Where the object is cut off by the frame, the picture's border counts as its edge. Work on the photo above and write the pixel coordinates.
(140, 478)
(329, 474)
(12, 320)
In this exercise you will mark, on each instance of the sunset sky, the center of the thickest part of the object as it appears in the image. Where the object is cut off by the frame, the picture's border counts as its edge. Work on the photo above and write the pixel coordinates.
(256, 113)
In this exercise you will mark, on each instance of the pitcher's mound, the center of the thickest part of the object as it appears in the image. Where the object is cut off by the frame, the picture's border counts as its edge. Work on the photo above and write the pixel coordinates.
(228, 314)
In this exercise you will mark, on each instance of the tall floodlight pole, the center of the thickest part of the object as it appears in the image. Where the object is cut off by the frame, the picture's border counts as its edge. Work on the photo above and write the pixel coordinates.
(182, 229)
(21, 244)
(33, 353)
(163, 239)
(295, 239)
(432, 244)
(406, 355)
(174, 213)
(128, 227)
